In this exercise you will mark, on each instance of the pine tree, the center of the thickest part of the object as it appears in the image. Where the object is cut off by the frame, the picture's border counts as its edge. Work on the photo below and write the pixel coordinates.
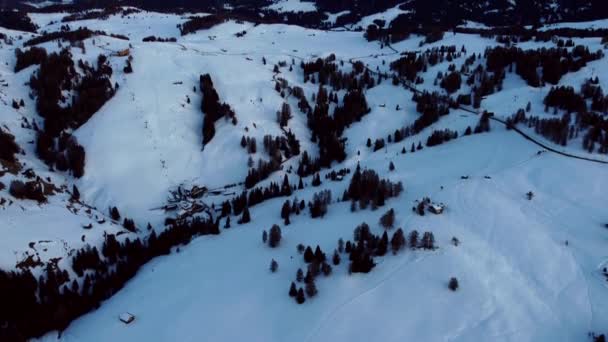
(336, 258)
(299, 275)
(274, 238)
(292, 290)
(274, 265)
(398, 240)
(413, 239)
(264, 237)
(300, 299)
(391, 166)
(382, 245)
(227, 224)
(388, 219)
(326, 269)
(319, 255)
(246, 217)
(114, 214)
(453, 284)
(308, 255)
(311, 289)
(75, 193)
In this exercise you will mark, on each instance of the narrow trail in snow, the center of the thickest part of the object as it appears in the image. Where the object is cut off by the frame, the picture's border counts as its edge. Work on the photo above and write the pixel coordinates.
(412, 88)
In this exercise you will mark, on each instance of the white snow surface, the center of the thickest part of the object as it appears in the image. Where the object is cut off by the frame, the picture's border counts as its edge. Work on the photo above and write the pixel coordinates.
(519, 280)
(293, 6)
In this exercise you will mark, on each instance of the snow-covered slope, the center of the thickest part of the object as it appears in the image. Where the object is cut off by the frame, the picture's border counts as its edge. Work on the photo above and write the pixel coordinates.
(529, 270)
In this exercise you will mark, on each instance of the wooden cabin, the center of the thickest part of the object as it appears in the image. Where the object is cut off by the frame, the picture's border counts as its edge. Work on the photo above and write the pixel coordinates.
(126, 317)
(436, 209)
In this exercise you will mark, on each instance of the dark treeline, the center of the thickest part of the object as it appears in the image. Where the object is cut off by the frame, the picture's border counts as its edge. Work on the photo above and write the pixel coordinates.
(16, 20)
(65, 34)
(212, 108)
(554, 62)
(56, 74)
(327, 129)
(277, 148)
(32, 307)
(439, 137)
(200, 23)
(32, 56)
(104, 14)
(255, 196)
(366, 187)
(361, 252)
(158, 39)
(8, 146)
(577, 119)
(413, 63)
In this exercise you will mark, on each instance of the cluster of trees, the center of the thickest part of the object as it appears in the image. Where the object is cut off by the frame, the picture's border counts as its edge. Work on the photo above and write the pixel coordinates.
(295, 207)
(194, 24)
(484, 123)
(565, 98)
(327, 129)
(159, 39)
(553, 62)
(561, 129)
(8, 146)
(102, 14)
(361, 252)
(316, 264)
(57, 73)
(337, 176)
(213, 109)
(441, 136)
(431, 106)
(33, 306)
(284, 115)
(451, 82)
(250, 144)
(413, 63)
(32, 190)
(366, 186)
(261, 172)
(72, 36)
(319, 203)
(16, 20)
(273, 237)
(32, 56)
(256, 196)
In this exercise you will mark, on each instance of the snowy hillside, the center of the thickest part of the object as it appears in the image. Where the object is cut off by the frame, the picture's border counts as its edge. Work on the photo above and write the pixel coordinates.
(146, 157)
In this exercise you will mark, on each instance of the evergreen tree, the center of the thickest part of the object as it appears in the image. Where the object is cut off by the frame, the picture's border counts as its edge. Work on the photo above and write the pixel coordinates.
(274, 237)
(311, 289)
(453, 284)
(299, 275)
(398, 240)
(274, 265)
(336, 258)
(246, 217)
(300, 299)
(292, 290)
(309, 256)
(75, 193)
(413, 239)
